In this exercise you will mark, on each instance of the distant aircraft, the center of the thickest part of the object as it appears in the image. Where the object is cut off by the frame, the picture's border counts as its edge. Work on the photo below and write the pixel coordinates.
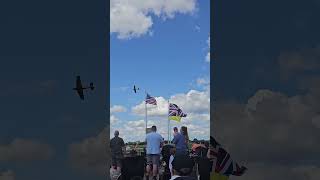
(135, 89)
(79, 88)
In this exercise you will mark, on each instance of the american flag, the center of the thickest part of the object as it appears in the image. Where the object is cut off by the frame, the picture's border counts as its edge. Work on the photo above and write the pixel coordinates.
(222, 162)
(174, 110)
(151, 100)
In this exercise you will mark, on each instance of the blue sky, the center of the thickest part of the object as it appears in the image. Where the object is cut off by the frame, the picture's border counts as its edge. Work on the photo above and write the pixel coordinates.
(166, 60)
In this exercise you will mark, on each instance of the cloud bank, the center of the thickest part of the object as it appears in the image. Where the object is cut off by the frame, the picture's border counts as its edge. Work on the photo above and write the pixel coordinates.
(134, 18)
(25, 150)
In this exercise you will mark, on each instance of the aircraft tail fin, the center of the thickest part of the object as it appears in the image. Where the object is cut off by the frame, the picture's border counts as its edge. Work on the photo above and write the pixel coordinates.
(91, 86)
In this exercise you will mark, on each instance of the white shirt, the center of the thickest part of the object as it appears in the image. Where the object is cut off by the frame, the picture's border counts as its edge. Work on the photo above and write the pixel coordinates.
(170, 163)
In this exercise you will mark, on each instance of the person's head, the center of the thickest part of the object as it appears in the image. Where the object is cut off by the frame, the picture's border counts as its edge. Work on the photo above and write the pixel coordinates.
(182, 165)
(153, 128)
(116, 133)
(181, 130)
(175, 129)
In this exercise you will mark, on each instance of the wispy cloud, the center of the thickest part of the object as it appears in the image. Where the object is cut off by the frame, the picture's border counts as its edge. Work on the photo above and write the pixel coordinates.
(117, 109)
(197, 28)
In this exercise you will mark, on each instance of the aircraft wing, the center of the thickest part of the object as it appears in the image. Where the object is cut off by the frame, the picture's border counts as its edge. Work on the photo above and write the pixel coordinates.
(80, 92)
(78, 83)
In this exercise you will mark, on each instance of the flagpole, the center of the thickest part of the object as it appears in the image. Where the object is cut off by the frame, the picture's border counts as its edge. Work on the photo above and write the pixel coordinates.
(168, 121)
(145, 103)
(169, 134)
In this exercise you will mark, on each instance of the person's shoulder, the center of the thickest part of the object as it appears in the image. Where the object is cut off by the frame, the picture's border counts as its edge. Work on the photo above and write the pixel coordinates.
(121, 140)
(159, 136)
(149, 134)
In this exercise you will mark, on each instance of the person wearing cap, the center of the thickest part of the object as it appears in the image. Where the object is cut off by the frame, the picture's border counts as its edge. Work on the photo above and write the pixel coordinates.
(117, 146)
(154, 143)
(182, 167)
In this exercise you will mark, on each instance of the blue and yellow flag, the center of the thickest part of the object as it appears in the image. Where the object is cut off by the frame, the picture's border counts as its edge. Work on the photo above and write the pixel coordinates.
(217, 176)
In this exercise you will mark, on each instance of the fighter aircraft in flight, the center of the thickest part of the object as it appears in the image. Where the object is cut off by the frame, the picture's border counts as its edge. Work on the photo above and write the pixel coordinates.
(79, 88)
(135, 89)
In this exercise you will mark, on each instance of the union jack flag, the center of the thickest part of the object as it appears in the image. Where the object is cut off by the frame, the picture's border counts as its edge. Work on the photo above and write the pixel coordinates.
(151, 100)
(175, 113)
(222, 162)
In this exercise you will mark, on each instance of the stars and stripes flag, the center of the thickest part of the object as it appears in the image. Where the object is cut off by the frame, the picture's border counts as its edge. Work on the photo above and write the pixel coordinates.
(222, 164)
(175, 113)
(151, 100)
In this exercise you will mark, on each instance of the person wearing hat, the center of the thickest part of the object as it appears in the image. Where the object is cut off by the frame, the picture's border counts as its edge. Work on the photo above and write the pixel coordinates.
(182, 167)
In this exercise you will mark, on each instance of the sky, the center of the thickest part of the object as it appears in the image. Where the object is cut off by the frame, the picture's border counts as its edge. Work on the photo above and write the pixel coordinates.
(162, 47)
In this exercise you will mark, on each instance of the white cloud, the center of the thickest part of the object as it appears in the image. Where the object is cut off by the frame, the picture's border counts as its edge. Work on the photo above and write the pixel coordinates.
(258, 97)
(113, 119)
(203, 82)
(7, 175)
(131, 130)
(117, 109)
(195, 103)
(91, 154)
(208, 57)
(275, 127)
(161, 109)
(22, 150)
(198, 117)
(275, 135)
(304, 60)
(198, 125)
(208, 54)
(192, 102)
(133, 18)
(136, 124)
